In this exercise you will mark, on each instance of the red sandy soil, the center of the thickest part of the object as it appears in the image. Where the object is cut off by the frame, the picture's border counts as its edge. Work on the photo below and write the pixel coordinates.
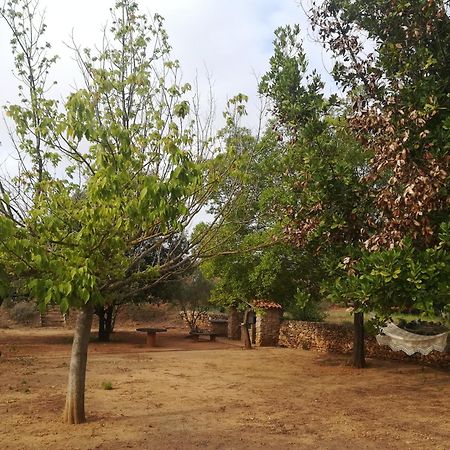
(189, 395)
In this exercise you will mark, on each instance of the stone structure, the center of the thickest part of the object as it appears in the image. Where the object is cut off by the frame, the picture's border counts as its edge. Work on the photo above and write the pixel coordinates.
(235, 318)
(338, 338)
(268, 322)
(219, 326)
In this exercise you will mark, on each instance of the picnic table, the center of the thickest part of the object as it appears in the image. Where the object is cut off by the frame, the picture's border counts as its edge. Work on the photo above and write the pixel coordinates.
(151, 334)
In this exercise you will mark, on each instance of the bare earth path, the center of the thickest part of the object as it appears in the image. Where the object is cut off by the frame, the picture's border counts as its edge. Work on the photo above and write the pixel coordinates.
(215, 396)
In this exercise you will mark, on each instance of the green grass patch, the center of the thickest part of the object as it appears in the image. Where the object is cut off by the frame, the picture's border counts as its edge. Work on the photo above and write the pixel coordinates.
(107, 385)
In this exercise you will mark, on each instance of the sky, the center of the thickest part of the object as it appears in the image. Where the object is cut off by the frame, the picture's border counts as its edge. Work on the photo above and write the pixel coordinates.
(231, 41)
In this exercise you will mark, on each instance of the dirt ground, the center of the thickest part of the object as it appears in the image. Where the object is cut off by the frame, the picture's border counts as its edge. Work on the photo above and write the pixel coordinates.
(187, 395)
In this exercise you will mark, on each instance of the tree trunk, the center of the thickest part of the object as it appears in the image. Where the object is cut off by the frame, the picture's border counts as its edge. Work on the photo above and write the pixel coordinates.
(245, 333)
(99, 311)
(105, 322)
(109, 319)
(358, 359)
(74, 409)
(114, 313)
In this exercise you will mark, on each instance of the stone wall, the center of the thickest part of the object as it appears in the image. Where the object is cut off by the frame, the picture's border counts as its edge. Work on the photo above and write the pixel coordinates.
(338, 338)
(268, 328)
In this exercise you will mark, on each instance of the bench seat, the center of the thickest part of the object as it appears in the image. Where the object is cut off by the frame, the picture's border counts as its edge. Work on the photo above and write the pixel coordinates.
(196, 334)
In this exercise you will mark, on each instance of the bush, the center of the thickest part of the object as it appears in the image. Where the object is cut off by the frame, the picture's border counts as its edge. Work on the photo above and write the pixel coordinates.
(24, 312)
(194, 316)
(304, 308)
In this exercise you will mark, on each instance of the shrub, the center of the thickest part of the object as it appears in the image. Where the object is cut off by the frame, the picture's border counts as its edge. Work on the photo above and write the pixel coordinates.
(24, 312)
(107, 385)
(304, 308)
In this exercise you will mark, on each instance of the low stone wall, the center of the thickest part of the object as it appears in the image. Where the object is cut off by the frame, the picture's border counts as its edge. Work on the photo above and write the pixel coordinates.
(337, 338)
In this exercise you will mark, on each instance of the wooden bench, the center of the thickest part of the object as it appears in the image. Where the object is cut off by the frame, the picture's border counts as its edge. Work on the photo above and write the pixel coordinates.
(196, 334)
(151, 334)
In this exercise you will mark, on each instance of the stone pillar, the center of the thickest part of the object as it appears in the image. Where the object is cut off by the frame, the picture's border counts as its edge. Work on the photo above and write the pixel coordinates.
(219, 327)
(268, 324)
(235, 318)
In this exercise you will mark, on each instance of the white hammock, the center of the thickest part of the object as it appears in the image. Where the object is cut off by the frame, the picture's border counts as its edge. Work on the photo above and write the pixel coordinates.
(401, 340)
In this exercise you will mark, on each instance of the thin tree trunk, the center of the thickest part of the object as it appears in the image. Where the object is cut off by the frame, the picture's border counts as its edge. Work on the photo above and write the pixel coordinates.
(105, 322)
(74, 409)
(114, 317)
(358, 358)
(100, 312)
(245, 333)
(109, 320)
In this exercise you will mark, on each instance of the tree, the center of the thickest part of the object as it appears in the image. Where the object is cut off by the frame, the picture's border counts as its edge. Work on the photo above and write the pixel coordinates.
(400, 100)
(172, 247)
(396, 119)
(326, 205)
(400, 279)
(256, 261)
(105, 179)
(399, 91)
(190, 292)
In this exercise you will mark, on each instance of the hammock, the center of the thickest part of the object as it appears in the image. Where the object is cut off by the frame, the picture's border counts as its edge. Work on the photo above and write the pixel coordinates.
(401, 340)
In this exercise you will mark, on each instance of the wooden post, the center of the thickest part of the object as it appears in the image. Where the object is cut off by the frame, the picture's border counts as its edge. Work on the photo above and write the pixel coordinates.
(245, 332)
(235, 318)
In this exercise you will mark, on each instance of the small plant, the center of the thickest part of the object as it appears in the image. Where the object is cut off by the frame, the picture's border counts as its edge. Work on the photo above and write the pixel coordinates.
(107, 385)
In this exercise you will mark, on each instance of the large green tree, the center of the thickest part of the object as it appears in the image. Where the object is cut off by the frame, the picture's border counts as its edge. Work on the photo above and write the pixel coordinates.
(105, 179)
(303, 201)
(256, 261)
(327, 203)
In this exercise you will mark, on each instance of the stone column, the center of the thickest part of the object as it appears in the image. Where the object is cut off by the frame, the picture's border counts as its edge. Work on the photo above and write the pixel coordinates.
(268, 324)
(235, 318)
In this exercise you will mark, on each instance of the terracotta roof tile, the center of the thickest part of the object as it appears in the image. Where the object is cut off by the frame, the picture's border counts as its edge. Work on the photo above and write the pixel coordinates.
(265, 304)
